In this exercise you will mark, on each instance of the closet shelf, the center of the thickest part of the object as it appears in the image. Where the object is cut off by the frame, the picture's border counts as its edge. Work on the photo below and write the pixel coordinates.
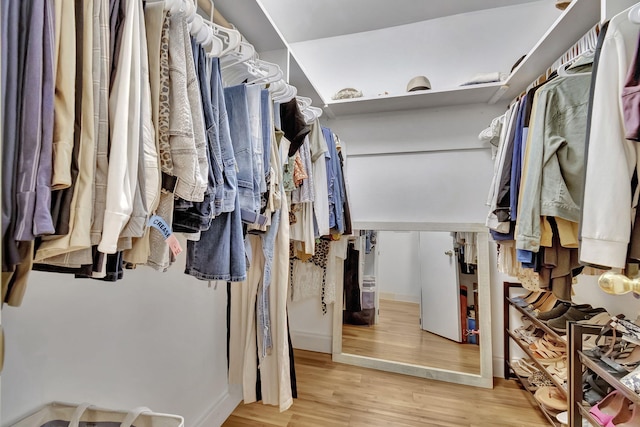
(461, 95)
(574, 22)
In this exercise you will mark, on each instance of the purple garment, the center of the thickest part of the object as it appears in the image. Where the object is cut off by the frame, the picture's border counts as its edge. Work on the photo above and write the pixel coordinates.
(631, 99)
(34, 154)
(12, 62)
(43, 223)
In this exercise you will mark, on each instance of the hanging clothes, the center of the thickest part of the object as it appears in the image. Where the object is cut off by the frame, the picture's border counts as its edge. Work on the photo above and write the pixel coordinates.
(606, 226)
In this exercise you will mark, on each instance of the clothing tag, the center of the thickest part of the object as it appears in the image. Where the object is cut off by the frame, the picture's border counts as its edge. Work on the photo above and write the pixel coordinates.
(174, 245)
(161, 225)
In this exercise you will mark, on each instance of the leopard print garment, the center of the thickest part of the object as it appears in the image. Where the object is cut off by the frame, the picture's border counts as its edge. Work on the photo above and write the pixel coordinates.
(166, 164)
(320, 259)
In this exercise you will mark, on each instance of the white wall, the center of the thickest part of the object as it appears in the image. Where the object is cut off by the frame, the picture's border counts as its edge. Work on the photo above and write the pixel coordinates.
(152, 339)
(398, 272)
(447, 50)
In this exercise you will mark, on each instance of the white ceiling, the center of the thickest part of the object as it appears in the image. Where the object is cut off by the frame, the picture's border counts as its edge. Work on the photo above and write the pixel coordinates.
(302, 20)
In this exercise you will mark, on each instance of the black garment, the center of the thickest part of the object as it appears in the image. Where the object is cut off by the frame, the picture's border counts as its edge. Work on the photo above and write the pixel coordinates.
(345, 206)
(292, 365)
(293, 125)
(503, 202)
(351, 280)
(114, 267)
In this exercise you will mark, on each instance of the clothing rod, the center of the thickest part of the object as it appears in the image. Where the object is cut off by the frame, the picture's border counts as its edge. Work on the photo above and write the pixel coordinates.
(574, 51)
(207, 5)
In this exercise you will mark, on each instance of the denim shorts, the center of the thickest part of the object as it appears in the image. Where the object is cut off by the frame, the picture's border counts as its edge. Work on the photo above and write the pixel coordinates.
(220, 252)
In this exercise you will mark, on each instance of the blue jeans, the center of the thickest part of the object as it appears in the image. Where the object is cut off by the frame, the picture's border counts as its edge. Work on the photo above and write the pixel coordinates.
(237, 108)
(267, 130)
(220, 252)
(335, 183)
(254, 101)
(263, 304)
(225, 198)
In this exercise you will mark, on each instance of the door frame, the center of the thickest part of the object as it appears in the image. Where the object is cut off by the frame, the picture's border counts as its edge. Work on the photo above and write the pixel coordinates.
(485, 378)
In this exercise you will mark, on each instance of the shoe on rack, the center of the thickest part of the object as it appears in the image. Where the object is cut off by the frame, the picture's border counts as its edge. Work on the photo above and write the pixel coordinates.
(524, 368)
(547, 350)
(528, 295)
(531, 299)
(552, 398)
(574, 314)
(560, 308)
(607, 409)
(545, 304)
(629, 416)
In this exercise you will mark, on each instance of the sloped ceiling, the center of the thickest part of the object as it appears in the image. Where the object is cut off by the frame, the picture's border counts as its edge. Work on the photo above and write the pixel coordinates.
(302, 20)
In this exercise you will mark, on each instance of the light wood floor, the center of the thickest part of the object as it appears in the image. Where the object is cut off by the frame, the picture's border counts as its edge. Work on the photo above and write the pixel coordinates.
(398, 337)
(335, 394)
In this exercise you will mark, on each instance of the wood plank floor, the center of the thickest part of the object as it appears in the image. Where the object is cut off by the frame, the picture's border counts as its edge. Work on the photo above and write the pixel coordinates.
(398, 337)
(335, 394)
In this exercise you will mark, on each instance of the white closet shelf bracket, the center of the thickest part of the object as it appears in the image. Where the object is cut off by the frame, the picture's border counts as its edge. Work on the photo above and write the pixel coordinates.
(496, 96)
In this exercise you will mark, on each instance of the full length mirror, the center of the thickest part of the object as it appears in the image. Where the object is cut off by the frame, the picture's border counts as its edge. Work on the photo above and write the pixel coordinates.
(416, 296)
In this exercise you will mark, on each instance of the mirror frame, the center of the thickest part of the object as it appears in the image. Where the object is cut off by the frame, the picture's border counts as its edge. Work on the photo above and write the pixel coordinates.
(485, 378)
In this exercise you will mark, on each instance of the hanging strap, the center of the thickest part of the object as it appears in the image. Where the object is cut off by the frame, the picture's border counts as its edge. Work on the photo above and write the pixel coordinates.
(133, 415)
(77, 414)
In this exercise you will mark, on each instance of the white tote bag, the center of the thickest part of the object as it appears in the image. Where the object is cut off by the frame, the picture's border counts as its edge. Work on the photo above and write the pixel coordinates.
(67, 415)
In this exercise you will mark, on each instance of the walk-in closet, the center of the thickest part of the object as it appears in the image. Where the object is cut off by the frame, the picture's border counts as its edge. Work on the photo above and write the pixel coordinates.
(304, 213)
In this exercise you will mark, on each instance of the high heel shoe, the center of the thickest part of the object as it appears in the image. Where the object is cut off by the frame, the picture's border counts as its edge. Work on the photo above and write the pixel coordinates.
(607, 409)
(629, 416)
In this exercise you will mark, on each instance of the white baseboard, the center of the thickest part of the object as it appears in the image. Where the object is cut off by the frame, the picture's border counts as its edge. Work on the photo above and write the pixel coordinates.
(399, 297)
(498, 367)
(221, 409)
(311, 341)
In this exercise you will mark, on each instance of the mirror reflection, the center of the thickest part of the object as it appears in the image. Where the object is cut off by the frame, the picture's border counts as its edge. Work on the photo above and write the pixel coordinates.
(412, 297)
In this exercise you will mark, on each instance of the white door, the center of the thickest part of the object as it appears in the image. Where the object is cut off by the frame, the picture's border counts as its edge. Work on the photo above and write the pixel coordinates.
(440, 298)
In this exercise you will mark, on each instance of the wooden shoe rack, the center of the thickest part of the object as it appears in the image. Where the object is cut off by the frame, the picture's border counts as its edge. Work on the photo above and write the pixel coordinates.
(511, 307)
(578, 361)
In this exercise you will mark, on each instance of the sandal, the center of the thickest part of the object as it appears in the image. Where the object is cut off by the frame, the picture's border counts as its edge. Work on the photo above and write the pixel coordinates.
(546, 305)
(594, 388)
(607, 409)
(528, 299)
(550, 397)
(524, 368)
(541, 301)
(539, 379)
(628, 358)
(546, 351)
(559, 370)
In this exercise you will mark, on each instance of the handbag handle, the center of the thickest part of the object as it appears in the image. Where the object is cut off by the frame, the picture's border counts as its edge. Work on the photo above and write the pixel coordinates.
(127, 422)
(77, 414)
(133, 415)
